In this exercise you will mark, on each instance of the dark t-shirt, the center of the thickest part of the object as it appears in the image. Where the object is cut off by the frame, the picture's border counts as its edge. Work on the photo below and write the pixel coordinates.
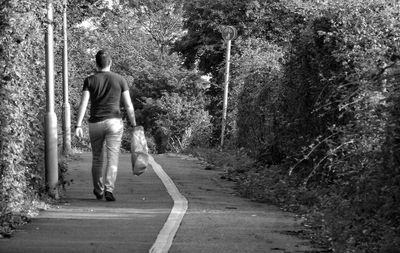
(105, 90)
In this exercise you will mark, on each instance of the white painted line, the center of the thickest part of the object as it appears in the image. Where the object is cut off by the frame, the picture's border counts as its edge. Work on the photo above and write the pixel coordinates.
(167, 233)
(100, 213)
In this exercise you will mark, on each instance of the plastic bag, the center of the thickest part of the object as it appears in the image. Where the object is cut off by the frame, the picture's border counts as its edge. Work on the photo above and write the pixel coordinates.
(139, 151)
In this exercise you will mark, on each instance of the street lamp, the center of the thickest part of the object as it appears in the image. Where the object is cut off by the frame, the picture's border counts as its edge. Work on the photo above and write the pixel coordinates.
(66, 106)
(51, 153)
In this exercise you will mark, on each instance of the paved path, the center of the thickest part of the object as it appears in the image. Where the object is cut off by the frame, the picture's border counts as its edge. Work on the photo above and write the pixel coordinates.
(216, 219)
(84, 224)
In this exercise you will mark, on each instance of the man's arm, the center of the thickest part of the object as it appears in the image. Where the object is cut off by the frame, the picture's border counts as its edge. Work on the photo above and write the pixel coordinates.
(126, 98)
(81, 113)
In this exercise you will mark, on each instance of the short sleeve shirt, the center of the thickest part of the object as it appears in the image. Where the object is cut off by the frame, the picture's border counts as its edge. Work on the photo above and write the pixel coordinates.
(105, 90)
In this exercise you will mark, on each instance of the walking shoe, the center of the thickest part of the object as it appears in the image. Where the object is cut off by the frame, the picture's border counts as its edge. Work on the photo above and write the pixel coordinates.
(109, 196)
(98, 196)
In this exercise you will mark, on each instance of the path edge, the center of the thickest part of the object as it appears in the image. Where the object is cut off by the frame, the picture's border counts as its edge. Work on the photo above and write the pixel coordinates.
(167, 233)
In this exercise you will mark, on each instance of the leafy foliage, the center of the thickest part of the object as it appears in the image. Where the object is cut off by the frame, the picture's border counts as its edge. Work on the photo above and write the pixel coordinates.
(202, 45)
(254, 92)
(325, 117)
(23, 105)
(181, 122)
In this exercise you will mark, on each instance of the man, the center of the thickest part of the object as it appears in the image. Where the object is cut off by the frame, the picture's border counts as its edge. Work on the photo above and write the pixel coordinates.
(105, 90)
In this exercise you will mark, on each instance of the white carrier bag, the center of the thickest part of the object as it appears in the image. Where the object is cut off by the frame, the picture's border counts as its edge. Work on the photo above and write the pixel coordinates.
(139, 151)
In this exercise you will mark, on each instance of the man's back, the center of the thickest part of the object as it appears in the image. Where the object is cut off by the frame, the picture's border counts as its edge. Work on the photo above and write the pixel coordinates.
(105, 89)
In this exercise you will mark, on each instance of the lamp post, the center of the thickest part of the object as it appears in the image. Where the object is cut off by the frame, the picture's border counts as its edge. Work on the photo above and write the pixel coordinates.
(51, 153)
(66, 105)
(228, 33)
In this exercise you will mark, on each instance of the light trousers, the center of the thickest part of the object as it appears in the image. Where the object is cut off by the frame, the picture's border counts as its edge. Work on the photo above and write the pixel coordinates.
(105, 138)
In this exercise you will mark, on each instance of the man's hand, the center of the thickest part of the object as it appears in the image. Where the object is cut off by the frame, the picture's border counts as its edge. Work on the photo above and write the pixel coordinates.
(81, 113)
(79, 132)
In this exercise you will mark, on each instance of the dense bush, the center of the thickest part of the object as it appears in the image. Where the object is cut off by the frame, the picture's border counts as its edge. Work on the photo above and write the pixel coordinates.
(22, 92)
(335, 121)
(181, 122)
(314, 99)
(255, 93)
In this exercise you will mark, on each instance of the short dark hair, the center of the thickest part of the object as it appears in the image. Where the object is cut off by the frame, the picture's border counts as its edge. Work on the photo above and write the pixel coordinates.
(103, 58)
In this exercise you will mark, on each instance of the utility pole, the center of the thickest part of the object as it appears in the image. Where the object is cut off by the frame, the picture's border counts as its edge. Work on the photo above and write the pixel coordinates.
(228, 33)
(66, 106)
(51, 153)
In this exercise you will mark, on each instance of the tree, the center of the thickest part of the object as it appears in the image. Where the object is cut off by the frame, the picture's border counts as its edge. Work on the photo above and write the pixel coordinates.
(202, 44)
(162, 20)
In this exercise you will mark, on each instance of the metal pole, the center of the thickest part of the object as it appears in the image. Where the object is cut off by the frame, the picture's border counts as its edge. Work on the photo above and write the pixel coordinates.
(225, 106)
(66, 106)
(51, 153)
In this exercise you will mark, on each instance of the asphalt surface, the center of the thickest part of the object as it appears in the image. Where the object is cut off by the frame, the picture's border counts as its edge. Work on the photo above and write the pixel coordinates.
(84, 224)
(216, 219)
